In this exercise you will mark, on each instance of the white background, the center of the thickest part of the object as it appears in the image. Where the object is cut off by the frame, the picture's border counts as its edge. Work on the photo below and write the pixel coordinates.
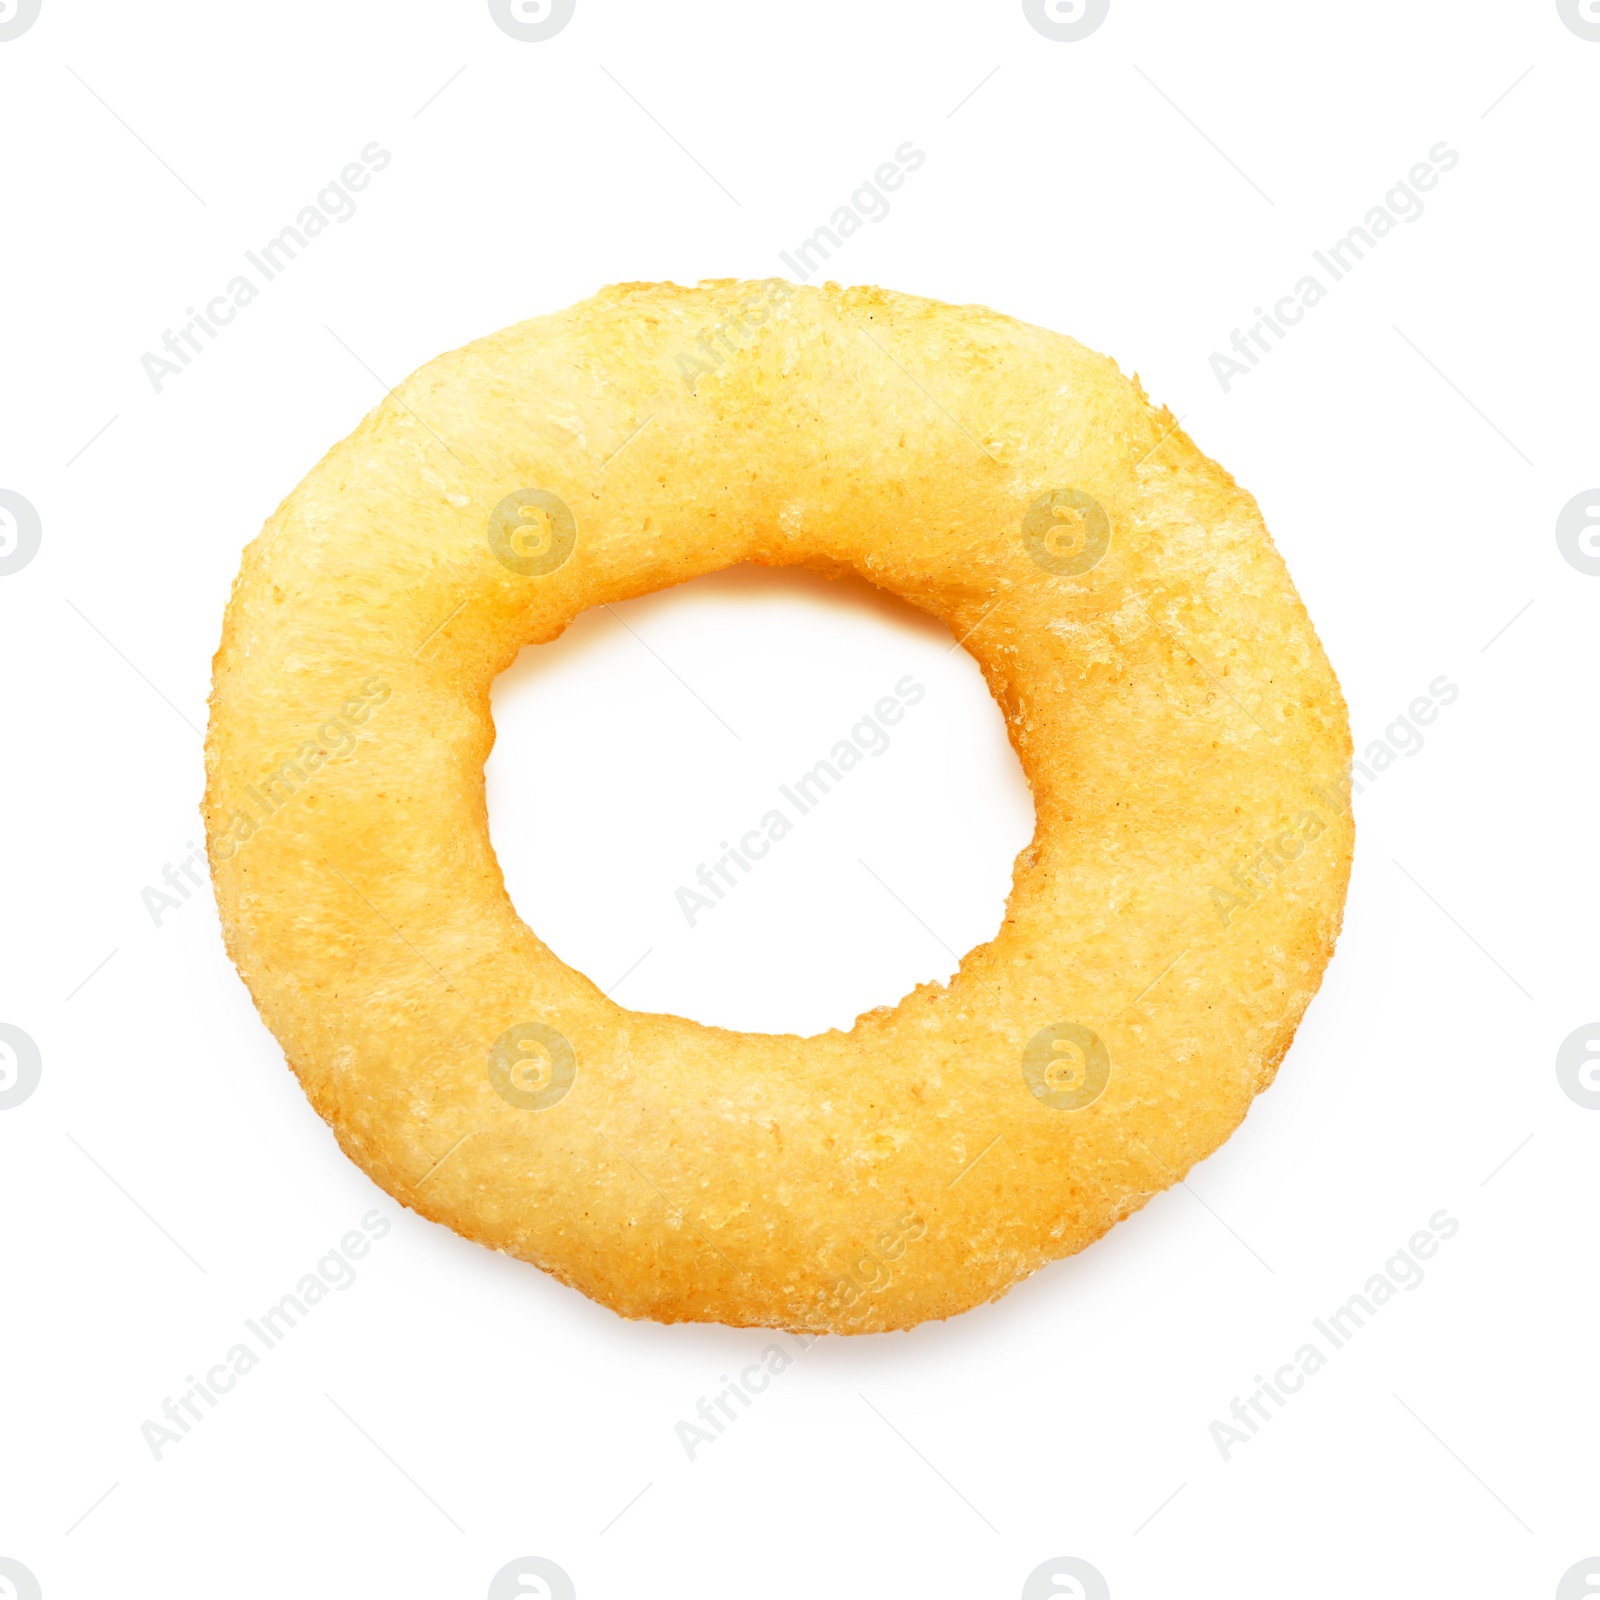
(1411, 444)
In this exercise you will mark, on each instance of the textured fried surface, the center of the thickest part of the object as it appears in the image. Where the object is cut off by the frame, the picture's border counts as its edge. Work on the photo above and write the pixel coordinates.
(1180, 726)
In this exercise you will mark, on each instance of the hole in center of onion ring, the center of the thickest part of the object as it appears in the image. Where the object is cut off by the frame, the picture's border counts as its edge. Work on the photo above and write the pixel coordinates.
(761, 799)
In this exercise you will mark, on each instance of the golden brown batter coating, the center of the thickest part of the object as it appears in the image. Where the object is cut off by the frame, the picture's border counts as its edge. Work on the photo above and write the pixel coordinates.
(1182, 731)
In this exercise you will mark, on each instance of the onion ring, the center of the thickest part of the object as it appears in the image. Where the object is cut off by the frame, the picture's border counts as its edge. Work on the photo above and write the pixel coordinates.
(1182, 731)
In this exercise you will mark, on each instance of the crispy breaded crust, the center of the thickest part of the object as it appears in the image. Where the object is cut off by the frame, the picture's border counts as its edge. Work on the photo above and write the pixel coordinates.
(1180, 726)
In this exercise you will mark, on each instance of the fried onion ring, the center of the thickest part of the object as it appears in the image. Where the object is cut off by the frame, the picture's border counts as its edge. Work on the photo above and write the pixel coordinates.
(1180, 726)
